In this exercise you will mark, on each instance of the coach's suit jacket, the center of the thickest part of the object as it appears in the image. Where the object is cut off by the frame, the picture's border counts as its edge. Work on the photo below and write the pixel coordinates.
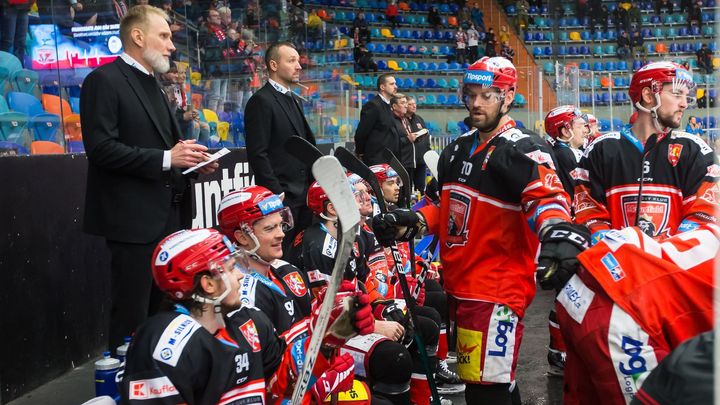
(375, 132)
(129, 196)
(268, 125)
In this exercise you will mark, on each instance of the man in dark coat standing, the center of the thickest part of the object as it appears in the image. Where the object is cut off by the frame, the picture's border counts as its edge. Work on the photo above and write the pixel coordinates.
(373, 133)
(272, 115)
(136, 193)
(422, 144)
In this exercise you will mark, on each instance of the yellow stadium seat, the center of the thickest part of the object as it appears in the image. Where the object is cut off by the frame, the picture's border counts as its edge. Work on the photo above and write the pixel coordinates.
(385, 32)
(223, 130)
(393, 65)
(345, 130)
(574, 36)
(210, 115)
(195, 78)
(700, 92)
(716, 62)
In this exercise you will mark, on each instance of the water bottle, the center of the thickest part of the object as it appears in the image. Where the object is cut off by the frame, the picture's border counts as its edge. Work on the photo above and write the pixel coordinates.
(121, 350)
(105, 371)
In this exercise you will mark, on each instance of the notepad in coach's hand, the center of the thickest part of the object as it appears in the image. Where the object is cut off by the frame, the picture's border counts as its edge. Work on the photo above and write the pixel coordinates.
(215, 156)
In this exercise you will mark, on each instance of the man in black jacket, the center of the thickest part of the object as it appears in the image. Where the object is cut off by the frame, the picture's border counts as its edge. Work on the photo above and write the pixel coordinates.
(373, 133)
(136, 193)
(422, 144)
(272, 115)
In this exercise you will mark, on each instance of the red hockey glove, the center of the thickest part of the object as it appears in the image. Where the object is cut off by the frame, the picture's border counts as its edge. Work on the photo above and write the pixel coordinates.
(559, 247)
(339, 377)
(351, 314)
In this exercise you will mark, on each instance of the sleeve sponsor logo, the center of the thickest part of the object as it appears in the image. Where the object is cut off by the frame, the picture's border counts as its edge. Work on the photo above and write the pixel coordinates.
(329, 246)
(541, 158)
(576, 298)
(704, 148)
(711, 194)
(173, 340)
(613, 267)
(153, 388)
(248, 287)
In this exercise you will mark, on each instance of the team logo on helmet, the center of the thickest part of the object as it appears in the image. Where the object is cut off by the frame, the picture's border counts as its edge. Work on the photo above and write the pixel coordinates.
(483, 78)
(295, 283)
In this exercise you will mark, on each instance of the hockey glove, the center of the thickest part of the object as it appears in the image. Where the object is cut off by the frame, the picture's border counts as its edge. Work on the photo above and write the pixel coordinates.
(559, 248)
(412, 285)
(401, 225)
(350, 315)
(389, 311)
(338, 378)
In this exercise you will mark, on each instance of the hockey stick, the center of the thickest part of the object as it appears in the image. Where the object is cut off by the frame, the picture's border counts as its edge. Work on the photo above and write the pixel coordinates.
(431, 159)
(332, 178)
(302, 150)
(355, 165)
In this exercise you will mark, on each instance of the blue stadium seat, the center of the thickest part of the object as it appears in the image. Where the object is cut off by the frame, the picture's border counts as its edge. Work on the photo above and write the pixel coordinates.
(537, 51)
(432, 66)
(75, 104)
(598, 36)
(412, 65)
(562, 50)
(427, 35)
(441, 99)
(24, 80)
(445, 50)
(610, 65)
(45, 127)
(584, 66)
(453, 99)
(416, 34)
(402, 65)
(439, 36)
(12, 127)
(597, 66)
(598, 50)
(683, 32)
(454, 66)
(454, 83)
(572, 50)
(423, 66)
(402, 49)
(430, 83)
(584, 50)
(407, 83)
(442, 83)
(442, 66)
(674, 47)
(539, 36)
(549, 36)
(420, 83)
(548, 51)
(390, 48)
(24, 103)
(430, 99)
(527, 36)
(585, 36)
(563, 36)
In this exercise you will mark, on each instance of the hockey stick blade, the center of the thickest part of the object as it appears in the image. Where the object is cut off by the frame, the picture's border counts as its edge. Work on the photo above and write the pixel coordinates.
(431, 159)
(332, 179)
(302, 150)
(394, 162)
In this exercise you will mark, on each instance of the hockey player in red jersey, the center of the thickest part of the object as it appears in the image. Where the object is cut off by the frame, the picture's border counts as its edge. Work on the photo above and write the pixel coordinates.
(210, 350)
(633, 300)
(650, 174)
(500, 196)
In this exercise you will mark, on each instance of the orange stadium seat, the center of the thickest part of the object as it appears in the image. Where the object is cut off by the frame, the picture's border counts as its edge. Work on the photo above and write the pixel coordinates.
(197, 101)
(404, 6)
(73, 130)
(46, 148)
(452, 21)
(661, 48)
(56, 105)
(605, 81)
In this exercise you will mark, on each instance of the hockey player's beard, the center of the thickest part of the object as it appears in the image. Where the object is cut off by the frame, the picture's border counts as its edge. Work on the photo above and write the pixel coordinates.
(488, 126)
(666, 120)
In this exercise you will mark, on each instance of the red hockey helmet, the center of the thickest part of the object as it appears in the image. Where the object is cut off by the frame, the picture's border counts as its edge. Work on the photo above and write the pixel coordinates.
(181, 256)
(562, 117)
(246, 206)
(591, 119)
(383, 172)
(496, 72)
(316, 198)
(655, 74)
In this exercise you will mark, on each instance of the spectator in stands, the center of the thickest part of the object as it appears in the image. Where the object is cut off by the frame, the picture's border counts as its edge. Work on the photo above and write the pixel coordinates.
(422, 144)
(460, 45)
(175, 26)
(695, 13)
(704, 59)
(97, 12)
(622, 18)
(136, 193)
(521, 18)
(464, 16)
(686, 65)
(391, 13)
(503, 35)
(694, 126)
(490, 43)
(581, 9)
(272, 115)
(361, 32)
(599, 16)
(314, 24)
(477, 17)
(635, 16)
(663, 5)
(373, 133)
(623, 45)
(507, 52)
(364, 60)
(638, 44)
(434, 18)
(251, 18)
(215, 43)
(14, 26)
(473, 39)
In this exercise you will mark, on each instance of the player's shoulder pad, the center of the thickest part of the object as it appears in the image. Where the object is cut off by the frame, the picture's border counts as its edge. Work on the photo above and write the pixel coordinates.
(248, 291)
(174, 338)
(602, 138)
(704, 147)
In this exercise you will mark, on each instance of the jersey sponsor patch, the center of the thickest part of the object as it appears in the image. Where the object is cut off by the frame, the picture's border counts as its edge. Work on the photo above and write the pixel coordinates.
(459, 212)
(613, 267)
(654, 212)
(469, 354)
(704, 148)
(295, 283)
(329, 246)
(580, 174)
(632, 356)
(174, 338)
(500, 345)
(541, 158)
(576, 298)
(152, 388)
(674, 151)
(248, 288)
(250, 333)
(603, 137)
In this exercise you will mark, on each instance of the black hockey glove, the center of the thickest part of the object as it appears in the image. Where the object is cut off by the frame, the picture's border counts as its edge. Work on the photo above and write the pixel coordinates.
(559, 248)
(401, 224)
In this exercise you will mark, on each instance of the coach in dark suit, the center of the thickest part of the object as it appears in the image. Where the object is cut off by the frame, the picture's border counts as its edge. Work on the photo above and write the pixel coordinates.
(373, 133)
(272, 115)
(136, 194)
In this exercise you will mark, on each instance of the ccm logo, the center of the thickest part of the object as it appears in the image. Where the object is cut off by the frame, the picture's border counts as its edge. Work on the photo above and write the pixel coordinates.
(569, 235)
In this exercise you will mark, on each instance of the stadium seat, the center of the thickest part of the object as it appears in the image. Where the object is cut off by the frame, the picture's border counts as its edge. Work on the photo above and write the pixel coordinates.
(72, 127)
(610, 49)
(563, 36)
(403, 65)
(452, 99)
(598, 36)
(430, 99)
(210, 116)
(549, 36)
(24, 80)
(10, 62)
(598, 50)
(527, 36)
(3, 105)
(585, 35)
(674, 47)
(622, 65)
(584, 66)
(46, 148)
(661, 48)
(407, 83)
(453, 66)
(420, 83)
(610, 65)
(55, 105)
(382, 65)
(539, 36)
(442, 83)
(441, 99)
(45, 127)
(412, 65)
(562, 50)
(431, 83)
(24, 103)
(683, 32)
(548, 68)
(537, 51)
(597, 66)
(572, 50)
(393, 65)
(584, 50)
(390, 48)
(432, 66)
(657, 32)
(454, 83)
(548, 51)
(442, 66)
(12, 126)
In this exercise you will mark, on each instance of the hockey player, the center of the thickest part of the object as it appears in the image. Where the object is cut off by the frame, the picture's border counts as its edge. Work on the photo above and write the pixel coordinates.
(208, 351)
(649, 174)
(568, 130)
(633, 301)
(254, 218)
(499, 195)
